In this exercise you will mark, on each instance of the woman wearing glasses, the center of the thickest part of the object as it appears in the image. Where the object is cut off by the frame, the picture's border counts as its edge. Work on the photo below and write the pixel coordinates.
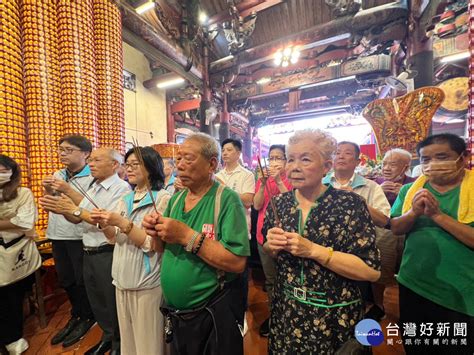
(137, 257)
(19, 257)
(271, 182)
(323, 240)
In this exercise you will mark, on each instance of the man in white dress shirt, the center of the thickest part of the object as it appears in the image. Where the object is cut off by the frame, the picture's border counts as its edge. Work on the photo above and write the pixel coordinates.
(242, 181)
(345, 178)
(106, 192)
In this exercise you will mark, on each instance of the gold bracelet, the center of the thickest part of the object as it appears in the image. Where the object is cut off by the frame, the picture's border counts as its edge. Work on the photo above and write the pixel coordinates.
(128, 228)
(330, 252)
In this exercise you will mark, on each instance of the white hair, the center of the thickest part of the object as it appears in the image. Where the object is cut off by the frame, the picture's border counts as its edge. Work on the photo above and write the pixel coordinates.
(404, 153)
(115, 155)
(325, 141)
(209, 146)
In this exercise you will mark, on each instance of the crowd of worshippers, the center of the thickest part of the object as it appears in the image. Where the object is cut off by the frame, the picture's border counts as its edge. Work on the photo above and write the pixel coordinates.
(159, 260)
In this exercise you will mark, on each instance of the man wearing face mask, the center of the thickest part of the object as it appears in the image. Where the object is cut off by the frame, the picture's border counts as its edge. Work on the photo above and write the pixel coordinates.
(396, 163)
(436, 212)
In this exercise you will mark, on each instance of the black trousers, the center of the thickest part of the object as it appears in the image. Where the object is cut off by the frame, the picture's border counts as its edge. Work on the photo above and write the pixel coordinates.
(68, 259)
(417, 309)
(11, 310)
(101, 294)
(215, 329)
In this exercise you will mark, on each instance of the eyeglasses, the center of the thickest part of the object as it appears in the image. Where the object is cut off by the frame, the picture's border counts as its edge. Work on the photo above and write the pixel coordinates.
(67, 150)
(132, 166)
(276, 158)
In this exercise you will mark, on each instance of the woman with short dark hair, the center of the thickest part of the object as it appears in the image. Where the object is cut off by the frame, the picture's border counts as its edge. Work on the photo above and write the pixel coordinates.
(137, 259)
(19, 257)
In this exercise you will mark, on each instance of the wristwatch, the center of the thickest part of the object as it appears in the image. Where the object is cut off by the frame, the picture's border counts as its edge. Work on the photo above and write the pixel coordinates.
(77, 213)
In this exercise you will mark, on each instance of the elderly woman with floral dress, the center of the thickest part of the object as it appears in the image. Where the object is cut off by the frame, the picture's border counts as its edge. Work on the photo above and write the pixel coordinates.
(324, 242)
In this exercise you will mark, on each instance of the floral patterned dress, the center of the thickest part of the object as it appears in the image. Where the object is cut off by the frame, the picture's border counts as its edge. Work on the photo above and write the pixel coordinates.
(315, 310)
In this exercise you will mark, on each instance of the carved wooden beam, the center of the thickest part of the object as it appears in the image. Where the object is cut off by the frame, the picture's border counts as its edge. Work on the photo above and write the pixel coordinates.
(153, 53)
(452, 45)
(245, 8)
(364, 19)
(373, 64)
(166, 51)
(185, 105)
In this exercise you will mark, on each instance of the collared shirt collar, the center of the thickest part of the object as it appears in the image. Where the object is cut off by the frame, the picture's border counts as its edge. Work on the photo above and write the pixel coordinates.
(355, 181)
(146, 201)
(86, 171)
(171, 180)
(237, 168)
(108, 182)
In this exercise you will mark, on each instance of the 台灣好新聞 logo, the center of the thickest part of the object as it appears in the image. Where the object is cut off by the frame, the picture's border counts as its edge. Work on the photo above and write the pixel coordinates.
(369, 332)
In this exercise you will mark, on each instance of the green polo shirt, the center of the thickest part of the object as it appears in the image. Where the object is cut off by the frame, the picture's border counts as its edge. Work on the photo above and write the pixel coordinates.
(187, 281)
(435, 264)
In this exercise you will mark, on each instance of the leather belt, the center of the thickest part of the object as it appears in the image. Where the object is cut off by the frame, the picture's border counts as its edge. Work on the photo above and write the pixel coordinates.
(97, 250)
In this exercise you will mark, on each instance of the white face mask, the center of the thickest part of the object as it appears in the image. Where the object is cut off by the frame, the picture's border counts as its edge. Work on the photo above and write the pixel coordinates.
(5, 177)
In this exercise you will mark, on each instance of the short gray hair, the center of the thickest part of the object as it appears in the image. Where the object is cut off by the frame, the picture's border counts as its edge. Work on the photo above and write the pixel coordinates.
(209, 146)
(115, 155)
(404, 153)
(325, 141)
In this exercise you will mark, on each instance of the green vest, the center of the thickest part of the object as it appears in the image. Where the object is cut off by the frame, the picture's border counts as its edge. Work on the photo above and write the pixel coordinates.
(187, 281)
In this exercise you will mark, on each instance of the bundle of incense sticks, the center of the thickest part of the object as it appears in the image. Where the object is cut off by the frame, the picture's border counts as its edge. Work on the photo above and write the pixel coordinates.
(80, 189)
(138, 153)
(272, 203)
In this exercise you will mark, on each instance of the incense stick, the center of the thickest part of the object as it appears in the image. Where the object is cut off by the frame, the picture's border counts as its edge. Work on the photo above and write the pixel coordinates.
(272, 203)
(138, 153)
(82, 191)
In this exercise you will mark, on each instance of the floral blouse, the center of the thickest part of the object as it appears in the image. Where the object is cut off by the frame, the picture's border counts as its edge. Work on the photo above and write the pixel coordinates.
(315, 310)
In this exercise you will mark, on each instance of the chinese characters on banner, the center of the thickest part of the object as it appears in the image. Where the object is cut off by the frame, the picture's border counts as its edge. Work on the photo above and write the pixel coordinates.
(433, 334)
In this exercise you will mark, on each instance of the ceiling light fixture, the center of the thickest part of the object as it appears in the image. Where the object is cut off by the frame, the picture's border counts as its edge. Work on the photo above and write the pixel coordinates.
(169, 80)
(170, 83)
(146, 6)
(286, 56)
(455, 57)
(264, 81)
(203, 18)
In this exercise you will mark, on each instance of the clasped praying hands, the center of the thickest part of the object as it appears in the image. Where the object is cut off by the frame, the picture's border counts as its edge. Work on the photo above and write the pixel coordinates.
(293, 243)
(167, 229)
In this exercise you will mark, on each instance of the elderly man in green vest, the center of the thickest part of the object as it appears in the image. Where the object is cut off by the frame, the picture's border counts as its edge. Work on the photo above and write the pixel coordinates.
(206, 241)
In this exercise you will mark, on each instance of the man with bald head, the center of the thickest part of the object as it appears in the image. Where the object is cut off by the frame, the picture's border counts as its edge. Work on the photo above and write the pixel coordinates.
(106, 191)
(396, 163)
